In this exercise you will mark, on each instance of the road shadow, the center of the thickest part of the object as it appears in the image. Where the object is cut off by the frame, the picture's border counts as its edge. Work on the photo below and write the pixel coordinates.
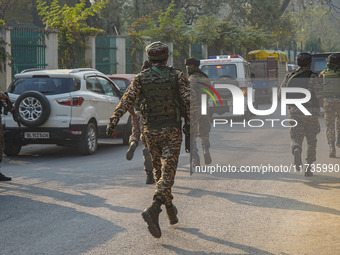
(37, 227)
(83, 199)
(260, 200)
(195, 231)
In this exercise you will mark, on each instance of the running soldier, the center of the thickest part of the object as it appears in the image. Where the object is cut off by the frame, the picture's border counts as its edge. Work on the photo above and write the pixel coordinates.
(197, 80)
(138, 135)
(307, 125)
(165, 93)
(331, 102)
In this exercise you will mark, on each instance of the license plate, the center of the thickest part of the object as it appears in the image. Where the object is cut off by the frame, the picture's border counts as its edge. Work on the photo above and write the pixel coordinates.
(37, 135)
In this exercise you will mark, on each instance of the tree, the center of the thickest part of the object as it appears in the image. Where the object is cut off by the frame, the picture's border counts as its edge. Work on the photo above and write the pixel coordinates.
(317, 28)
(71, 24)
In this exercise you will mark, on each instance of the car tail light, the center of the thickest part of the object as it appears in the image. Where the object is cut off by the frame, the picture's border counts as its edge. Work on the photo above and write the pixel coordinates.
(244, 91)
(71, 101)
(234, 56)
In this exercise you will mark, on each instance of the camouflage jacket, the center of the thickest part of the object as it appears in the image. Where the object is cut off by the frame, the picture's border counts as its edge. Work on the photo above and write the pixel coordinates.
(314, 85)
(134, 91)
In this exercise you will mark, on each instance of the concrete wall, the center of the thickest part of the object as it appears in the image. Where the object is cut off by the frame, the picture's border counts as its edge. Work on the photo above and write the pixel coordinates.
(51, 52)
(121, 58)
(90, 52)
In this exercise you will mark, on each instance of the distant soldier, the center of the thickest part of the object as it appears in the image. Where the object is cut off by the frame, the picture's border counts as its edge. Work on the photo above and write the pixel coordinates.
(138, 122)
(331, 103)
(3, 96)
(165, 93)
(307, 125)
(199, 79)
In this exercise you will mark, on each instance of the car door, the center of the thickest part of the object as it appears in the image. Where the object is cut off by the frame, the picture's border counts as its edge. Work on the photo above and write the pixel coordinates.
(97, 98)
(113, 97)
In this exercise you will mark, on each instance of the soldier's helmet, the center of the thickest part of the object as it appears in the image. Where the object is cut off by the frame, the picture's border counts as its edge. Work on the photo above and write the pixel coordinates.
(157, 51)
(334, 59)
(192, 61)
(303, 59)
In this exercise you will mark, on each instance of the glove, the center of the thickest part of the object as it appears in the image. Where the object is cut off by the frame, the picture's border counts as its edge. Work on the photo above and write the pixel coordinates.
(110, 130)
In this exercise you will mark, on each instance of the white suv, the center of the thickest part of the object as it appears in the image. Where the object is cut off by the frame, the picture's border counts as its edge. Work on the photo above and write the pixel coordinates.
(64, 107)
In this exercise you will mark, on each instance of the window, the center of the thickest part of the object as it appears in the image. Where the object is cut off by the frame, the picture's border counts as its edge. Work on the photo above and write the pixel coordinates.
(215, 71)
(93, 85)
(107, 87)
(45, 85)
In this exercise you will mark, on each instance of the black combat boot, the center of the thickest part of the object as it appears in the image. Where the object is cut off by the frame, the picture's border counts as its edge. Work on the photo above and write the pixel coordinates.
(195, 159)
(338, 141)
(4, 178)
(150, 215)
(297, 159)
(308, 172)
(332, 151)
(172, 214)
(131, 150)
(148, 167)
(206, 154)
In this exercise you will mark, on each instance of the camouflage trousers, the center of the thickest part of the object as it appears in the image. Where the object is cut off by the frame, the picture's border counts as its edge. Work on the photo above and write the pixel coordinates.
(138, 135)
(164, 146)
(332, 117)
(200, 129)
(137, 129)
(309, 127)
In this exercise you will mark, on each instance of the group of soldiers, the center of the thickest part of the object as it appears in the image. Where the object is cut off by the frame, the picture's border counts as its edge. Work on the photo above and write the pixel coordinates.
(161, 96)
(326, 88)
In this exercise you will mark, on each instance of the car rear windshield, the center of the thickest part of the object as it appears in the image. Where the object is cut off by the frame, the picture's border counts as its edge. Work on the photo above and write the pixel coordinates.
(46, 85)
(215, 71)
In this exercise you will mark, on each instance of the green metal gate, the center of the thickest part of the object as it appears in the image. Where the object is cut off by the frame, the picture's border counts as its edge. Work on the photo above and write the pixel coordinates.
(134, 57)
(27, 48)
(69, 58)
(106, 54)
(196, 50)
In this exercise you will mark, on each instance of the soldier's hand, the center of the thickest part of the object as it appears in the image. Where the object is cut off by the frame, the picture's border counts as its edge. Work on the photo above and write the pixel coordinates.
(4, 96)
(186, 129)
(110, 130)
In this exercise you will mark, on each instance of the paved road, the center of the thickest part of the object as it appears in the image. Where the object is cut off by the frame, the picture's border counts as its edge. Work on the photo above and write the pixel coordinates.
(63, 203)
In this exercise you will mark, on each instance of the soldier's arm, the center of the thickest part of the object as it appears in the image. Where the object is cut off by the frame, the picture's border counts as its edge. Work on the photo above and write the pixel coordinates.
(184, 93)
(283, 84)
(126, 102)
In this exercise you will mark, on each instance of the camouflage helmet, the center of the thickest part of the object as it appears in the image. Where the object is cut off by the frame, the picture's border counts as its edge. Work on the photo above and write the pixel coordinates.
(303, 59)
(157, 51)
(334, 59)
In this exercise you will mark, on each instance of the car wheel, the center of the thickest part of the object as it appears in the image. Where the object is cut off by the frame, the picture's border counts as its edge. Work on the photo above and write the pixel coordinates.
(89, 142)
(32, 108)
(128, 132)
(12, 148)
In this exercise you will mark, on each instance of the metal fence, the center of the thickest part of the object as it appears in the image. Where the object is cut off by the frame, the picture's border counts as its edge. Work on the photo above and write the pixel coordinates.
(27, 48)
(134, 57)
(71, 58)
(106, 54)
(196, 50)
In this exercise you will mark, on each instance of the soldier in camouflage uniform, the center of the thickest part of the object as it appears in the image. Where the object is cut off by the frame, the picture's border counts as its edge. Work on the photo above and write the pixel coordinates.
(137, 135)
(2, 177)
(165, 93)
(197, 78)
(331, 103)
(307, 125)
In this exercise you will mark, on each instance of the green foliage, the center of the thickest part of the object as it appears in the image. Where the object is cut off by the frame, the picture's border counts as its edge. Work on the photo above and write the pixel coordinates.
(317, 29)
(226, 37)
(165, 26)
(71, 24)
(4, 55)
